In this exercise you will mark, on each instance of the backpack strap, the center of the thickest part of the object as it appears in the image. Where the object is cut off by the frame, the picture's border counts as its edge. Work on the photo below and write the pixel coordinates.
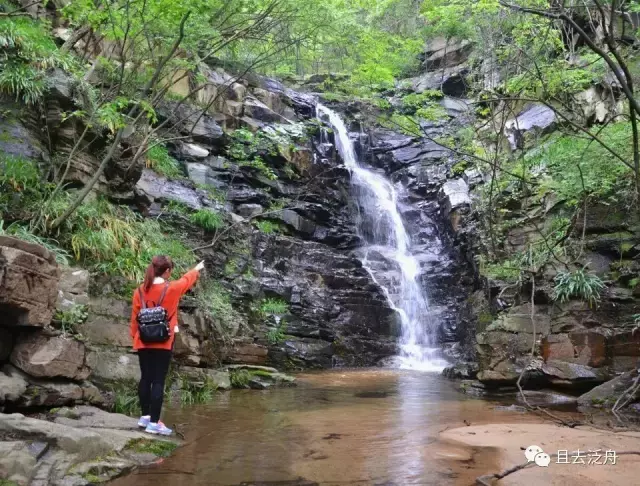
(143, 304)
(164, 292)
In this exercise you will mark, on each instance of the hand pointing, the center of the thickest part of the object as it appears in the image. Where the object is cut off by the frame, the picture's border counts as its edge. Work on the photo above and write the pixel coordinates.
(200, 266)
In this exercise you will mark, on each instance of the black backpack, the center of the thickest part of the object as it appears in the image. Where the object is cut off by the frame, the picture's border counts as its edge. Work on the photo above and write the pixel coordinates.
(153, 322)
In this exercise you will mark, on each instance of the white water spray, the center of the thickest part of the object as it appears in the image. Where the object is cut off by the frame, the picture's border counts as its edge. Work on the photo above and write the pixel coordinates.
(381, 227)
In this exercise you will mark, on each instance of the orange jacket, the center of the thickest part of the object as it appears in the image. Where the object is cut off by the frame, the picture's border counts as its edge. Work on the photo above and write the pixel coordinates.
(171, 300)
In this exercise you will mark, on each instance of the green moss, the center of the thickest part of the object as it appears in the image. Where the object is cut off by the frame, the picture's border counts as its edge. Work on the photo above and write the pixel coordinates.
(6, 482)
(92, 478)
(485, 318)
(459, 168)
(160, 448)
(263, 373)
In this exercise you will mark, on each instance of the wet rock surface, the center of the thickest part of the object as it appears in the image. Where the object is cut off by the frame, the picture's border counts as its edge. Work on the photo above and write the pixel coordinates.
(78, 445)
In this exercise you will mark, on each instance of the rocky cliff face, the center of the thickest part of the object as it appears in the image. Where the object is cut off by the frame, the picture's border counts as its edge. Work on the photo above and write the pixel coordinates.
(576, 344)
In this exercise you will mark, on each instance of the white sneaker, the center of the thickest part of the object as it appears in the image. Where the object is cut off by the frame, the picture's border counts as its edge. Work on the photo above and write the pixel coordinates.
(144, 421)
(158, 429)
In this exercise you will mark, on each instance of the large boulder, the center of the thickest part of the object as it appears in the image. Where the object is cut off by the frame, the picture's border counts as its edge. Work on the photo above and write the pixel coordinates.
(28, 283)
(44, 356)
(537, 119)
(158, 188)
(442, 52)
(606, 394)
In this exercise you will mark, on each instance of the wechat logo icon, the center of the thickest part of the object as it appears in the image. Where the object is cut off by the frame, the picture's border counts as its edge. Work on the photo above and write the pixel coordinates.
(533, 453)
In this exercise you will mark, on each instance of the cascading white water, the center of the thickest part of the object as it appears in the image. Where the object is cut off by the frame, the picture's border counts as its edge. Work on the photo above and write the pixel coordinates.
(381, 227)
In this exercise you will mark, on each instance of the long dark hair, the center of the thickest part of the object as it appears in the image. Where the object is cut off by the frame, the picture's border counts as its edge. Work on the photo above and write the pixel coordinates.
(159, 265)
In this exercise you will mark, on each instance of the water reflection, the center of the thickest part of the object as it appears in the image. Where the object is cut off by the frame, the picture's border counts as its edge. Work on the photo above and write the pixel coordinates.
(336, 428)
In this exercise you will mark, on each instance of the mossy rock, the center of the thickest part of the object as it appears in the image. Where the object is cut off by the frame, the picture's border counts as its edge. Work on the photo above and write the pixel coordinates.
(160, 448)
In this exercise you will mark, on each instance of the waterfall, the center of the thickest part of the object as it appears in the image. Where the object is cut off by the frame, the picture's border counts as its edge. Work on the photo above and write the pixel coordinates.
(387, 255)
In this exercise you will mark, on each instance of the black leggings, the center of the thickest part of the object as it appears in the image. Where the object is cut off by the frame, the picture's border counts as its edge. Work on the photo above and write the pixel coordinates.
(154, 365)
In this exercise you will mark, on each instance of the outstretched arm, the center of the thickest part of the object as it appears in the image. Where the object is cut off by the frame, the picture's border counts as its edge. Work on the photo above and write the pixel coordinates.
(189, 279)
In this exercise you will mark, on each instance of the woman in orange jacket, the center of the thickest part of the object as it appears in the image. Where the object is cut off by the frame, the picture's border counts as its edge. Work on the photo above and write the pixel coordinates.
(155, 357)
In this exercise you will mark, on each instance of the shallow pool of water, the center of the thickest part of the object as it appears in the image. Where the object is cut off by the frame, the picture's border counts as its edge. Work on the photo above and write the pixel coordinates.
(340, 427)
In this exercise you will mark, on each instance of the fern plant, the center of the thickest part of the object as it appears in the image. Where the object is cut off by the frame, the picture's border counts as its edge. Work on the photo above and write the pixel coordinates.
(207, 219)
(578, 284)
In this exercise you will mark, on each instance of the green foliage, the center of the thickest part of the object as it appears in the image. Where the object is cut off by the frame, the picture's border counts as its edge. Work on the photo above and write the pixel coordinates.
(27, 51)
(557, 77)
(158, 159)
(125, 394)
(406, 124)
(160, 448)
(267, 227)
(240, 378)
(576, 167)
(207, 219)
(6, 482)
(177, 207)
(578, 284)
(21, 187)
(459, 168)
(21, 232)
(507, 271)
(69, 320)
(277, 334)
(414, 101)
(215, 301)
(116, 241)
(258, 163)
(193, 392)
(17, 173)
(272, 306)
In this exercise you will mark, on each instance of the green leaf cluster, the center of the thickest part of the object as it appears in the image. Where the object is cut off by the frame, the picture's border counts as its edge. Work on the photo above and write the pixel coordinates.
(27, 51)
(578, 284)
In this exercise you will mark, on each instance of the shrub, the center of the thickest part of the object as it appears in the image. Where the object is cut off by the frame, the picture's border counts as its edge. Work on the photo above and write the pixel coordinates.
(116, 241)
(21, 232)
(126, 401)
(267, 227)
(21, 189)
(158, 159)
(207, 219)
(193, 392)
(579, 284)
(273, 306)
(240, 378)
(277, 334)
(28, 51)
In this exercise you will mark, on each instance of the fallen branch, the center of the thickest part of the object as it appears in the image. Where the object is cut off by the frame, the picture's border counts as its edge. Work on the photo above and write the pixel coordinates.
(488, 478)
